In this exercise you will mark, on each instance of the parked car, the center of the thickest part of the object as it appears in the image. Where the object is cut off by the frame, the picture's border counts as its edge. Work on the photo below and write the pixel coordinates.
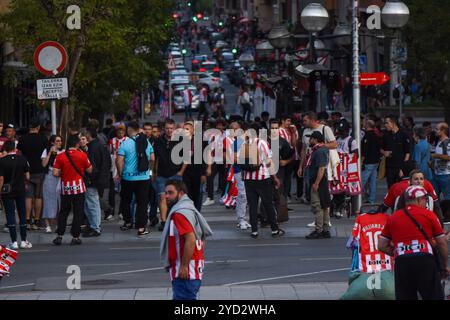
(208, 79)
(178, 103)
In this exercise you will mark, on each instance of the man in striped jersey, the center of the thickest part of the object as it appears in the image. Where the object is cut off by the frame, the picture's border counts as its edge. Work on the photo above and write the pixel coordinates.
(183, 242)
(71, 167)
(259, 175)
(289, 132)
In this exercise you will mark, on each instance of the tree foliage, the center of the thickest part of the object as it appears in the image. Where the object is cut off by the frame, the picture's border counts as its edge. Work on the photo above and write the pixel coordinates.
(428, 34)
(117, 49)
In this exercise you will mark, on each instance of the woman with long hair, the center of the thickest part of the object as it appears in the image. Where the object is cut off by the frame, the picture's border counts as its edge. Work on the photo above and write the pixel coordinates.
(51, 187)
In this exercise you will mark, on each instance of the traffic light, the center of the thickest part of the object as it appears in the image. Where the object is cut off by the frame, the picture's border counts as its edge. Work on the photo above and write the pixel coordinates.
(195, 19)
(220, 23)
(234, 51)
(184, 51)
(199, 16)
(189, 4)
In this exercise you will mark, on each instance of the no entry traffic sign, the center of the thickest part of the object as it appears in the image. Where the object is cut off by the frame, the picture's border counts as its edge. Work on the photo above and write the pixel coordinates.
(50, 58)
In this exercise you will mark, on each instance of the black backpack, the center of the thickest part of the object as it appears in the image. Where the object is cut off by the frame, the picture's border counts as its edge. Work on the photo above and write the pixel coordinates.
(141, 146)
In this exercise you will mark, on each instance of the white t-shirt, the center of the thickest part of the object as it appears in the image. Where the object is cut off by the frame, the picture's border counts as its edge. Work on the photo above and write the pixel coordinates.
(343, 145)
(442, 167)
(45, 154)
(329, 135)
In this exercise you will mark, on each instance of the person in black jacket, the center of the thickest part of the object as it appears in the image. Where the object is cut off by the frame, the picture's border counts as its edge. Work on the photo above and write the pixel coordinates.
(370, 157)
(96, 182)
(195, 175)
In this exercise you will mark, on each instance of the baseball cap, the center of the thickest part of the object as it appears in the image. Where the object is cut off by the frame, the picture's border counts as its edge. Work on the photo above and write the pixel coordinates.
(318, 136)
(10, 126)
(415, 192)
(343, 125)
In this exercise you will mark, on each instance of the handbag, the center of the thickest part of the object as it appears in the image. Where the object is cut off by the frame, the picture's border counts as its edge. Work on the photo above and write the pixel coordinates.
(7, 187)
(436, 254)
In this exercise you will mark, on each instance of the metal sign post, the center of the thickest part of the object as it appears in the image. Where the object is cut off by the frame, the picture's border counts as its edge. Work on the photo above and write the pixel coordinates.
(171, 66)
(356, 93)
(50, 59)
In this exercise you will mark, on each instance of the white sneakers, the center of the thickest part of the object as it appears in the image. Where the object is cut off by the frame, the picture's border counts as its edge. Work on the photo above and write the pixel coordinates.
(48, 229)
(13, 246)
(243, 225)
(109, 218)
(313, 224)
(23, 245)
(208, 202)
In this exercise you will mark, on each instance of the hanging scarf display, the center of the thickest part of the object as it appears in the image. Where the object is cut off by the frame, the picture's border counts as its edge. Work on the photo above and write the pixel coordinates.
(349, 178)
(231, 191)
(7, 259)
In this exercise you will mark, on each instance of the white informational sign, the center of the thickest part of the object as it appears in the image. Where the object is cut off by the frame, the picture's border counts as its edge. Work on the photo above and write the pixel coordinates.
(52, 89)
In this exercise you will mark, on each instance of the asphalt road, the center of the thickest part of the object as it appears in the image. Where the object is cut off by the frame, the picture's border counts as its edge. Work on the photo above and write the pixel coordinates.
(134, 265)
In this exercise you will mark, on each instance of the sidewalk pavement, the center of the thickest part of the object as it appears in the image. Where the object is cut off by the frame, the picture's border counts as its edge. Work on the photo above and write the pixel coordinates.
(292, 291)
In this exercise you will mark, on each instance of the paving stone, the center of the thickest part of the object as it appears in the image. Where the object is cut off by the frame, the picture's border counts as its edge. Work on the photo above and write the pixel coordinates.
(153, 294)
(247, 293)
(279, 292)
(120, 294)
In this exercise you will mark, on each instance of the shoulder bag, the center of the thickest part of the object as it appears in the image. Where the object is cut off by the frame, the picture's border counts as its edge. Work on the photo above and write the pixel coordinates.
(74, 166)
(436, 253)
(7, 187)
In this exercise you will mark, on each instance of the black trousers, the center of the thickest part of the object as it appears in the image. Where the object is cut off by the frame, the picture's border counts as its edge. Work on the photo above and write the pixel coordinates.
(417, 273)
(287, 179)
(68, 203)
(140, 191)
(298, 179)
(192, 179)
(153, 201)
(202, 110)
(392, 176)
(217, 169)
(254, 190)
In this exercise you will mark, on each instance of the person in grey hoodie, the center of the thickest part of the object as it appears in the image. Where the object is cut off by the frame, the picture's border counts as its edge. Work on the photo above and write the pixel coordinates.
(183, 242)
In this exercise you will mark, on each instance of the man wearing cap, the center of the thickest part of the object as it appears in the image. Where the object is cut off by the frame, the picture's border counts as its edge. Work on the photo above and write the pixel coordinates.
(406, 236)
(317, 164)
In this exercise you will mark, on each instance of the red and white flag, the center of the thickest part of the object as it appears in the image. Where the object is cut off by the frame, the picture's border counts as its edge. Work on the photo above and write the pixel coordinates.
(7, 259)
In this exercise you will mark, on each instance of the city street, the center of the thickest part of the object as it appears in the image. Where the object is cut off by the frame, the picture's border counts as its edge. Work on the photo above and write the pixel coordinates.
(120, 260)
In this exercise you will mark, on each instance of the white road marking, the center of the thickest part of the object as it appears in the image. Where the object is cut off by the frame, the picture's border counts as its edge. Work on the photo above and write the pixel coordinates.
(161, 268)
(286, 277)
(134, 248)
(33, 251)
(268, 244)
(324, 259)
(131, 271)
(18, 286)
(101, 265)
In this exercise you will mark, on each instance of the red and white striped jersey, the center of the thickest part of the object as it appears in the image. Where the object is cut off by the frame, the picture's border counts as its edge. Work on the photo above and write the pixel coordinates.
(179, 226)
(7, 259)
(405, 235)
(114, 145)
(71, 181)
(265, 154)
(366, 230)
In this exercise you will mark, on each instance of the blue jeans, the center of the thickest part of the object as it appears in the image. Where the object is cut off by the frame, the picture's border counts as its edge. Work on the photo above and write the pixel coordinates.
(370, 173)
(92, 208)
(10, 207)
(188, 111)
(442, 184)
(160, 183)
(185, 289)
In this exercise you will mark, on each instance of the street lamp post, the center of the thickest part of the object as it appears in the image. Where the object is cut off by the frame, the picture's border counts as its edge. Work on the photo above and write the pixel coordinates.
(395, 15)
(279, 38)
(356, 92)
(314, 18)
